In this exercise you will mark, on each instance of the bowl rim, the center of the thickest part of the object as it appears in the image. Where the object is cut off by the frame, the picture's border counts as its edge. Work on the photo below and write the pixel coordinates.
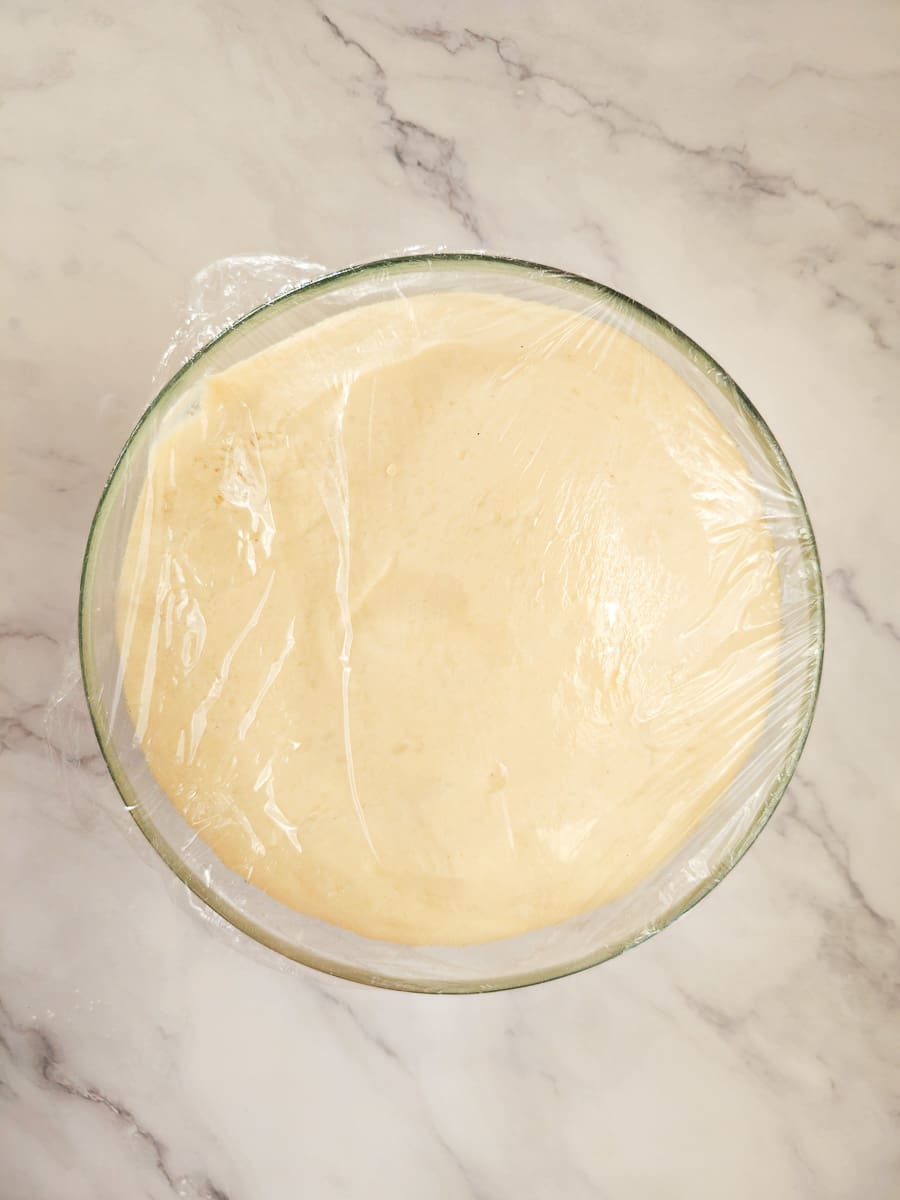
(239, 919)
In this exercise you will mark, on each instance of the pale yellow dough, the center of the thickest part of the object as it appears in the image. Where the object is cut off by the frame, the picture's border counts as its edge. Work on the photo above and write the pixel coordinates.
(448, 618)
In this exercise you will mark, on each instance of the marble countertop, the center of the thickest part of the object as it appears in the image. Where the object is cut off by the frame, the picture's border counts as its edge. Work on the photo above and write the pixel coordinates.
(732, 166)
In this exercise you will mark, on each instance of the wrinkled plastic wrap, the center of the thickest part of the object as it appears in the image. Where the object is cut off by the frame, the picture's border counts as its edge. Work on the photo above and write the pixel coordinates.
(448, 622)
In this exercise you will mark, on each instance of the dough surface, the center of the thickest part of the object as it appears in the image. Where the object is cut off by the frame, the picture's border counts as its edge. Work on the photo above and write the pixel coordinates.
(448, 618)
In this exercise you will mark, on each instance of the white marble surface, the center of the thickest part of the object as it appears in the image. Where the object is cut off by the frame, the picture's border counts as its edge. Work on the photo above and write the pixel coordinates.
(733, 166)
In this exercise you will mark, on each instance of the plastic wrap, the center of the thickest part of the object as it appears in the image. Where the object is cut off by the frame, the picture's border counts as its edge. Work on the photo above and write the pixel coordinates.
(448, 622)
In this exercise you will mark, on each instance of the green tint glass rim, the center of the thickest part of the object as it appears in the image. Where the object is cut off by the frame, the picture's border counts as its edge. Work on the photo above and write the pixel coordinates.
(698, 357)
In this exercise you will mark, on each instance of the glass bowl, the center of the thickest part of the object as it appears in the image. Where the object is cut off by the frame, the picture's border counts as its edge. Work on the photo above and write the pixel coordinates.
(583, 941)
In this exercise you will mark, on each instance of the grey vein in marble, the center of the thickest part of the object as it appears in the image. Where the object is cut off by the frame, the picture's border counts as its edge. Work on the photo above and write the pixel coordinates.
(30, 1049)
(418, 150)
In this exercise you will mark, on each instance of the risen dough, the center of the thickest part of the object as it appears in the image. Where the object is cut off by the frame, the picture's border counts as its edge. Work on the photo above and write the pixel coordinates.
(449, 617)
